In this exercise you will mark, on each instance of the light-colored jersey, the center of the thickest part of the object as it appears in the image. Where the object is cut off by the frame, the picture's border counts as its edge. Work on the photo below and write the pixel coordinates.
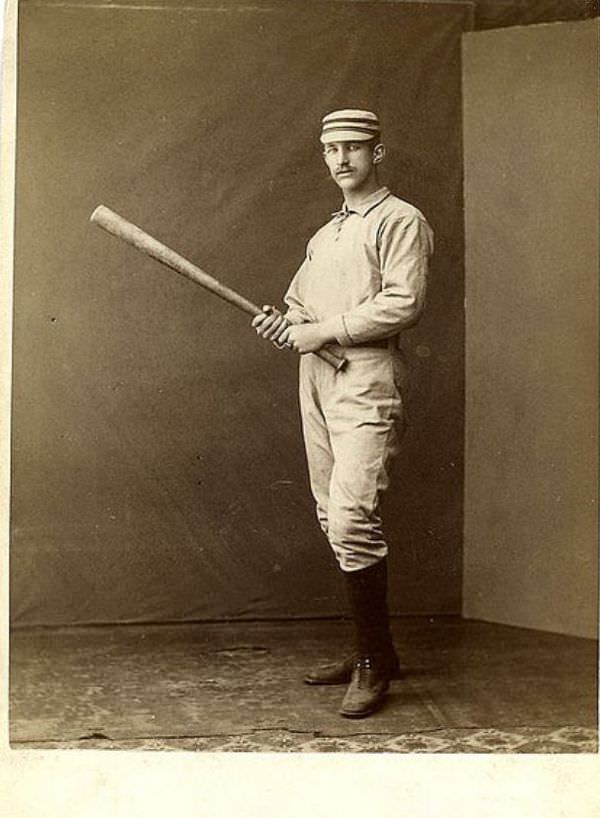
(365, 271)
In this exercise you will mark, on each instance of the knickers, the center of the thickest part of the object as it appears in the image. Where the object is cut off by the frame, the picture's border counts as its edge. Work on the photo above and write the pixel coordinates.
(352, 422)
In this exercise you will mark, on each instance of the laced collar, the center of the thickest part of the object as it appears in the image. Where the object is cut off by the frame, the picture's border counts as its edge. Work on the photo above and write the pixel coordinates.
(364, 207)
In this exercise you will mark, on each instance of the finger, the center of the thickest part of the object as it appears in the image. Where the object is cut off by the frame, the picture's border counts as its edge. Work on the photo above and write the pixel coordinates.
(264, 326)
(269, 309)
(281, 344)
(281, 338)
(279, 329)
(274, 328)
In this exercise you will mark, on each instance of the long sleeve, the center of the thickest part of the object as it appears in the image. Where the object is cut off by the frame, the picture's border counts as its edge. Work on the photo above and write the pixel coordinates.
(294, 299)
(404, 246)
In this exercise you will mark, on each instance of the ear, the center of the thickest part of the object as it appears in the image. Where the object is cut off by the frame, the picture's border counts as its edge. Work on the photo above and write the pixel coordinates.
(378, 153)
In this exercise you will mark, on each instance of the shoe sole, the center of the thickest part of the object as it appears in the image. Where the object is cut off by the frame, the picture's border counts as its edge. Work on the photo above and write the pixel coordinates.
(399, 674)
(350, 714)
(319, 682)
(340, 680)
(362, 715)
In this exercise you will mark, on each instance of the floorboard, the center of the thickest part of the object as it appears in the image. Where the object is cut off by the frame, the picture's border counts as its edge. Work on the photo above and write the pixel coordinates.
(468, 687)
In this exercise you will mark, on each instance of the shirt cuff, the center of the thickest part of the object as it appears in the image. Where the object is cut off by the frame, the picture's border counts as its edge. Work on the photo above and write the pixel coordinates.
(335, 326)
(295, 316)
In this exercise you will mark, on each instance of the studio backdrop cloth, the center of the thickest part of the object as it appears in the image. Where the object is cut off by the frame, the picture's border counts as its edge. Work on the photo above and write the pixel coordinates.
(531, 516)
(158, 466)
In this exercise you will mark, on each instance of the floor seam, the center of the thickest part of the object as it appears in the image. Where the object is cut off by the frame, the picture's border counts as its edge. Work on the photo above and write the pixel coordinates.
(311, 733)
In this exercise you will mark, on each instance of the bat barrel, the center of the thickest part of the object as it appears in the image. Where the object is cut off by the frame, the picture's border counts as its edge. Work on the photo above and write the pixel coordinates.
(131, 233)
(118, 226)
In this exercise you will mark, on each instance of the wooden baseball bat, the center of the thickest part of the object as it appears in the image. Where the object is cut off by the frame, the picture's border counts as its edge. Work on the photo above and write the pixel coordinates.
(118, 226)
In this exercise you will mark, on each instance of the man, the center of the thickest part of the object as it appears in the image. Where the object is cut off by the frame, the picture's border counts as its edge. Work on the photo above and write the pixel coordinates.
(362, 282)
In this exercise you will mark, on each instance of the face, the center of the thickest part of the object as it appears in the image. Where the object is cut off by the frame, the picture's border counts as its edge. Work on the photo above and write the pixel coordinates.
(352, 164)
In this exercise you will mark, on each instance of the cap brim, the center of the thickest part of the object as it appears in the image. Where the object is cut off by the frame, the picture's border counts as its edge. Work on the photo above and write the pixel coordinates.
(346, 136)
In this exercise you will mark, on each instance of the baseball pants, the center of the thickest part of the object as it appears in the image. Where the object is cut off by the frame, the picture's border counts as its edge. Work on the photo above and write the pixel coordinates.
(352, 422)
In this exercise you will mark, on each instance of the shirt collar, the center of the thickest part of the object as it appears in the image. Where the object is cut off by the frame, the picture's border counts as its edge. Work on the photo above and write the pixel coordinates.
(367, 204)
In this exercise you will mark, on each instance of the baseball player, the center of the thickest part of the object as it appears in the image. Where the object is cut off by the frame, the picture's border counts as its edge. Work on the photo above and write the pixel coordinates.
(361, 284)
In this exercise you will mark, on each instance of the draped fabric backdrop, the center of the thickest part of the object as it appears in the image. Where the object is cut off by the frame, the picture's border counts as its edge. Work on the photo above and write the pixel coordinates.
(158, 466)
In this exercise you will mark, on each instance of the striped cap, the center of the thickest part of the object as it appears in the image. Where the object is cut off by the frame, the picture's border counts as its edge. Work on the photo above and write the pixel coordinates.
(349, 125)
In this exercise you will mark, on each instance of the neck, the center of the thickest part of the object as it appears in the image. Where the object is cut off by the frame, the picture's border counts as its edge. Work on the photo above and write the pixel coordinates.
(355, 197)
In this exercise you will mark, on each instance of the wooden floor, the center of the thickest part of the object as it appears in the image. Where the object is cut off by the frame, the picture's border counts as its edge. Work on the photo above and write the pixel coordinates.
(469, 687)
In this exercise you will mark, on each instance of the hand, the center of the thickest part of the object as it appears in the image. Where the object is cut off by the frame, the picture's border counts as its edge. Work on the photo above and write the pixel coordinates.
(270, 324)
(304, 337)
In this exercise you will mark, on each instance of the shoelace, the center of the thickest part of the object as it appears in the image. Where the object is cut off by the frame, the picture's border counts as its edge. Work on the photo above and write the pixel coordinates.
(364, 665)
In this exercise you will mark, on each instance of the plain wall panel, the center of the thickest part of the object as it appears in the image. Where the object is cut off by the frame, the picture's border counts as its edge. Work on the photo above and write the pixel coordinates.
(531, 198)
(158, 467)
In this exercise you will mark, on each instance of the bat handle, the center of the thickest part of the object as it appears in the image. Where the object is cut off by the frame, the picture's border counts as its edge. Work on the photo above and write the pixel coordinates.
(338, 362)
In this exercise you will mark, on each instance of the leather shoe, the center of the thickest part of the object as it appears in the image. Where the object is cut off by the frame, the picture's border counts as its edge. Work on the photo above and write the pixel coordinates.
(335, 673)
(340, 673)
(368, 686)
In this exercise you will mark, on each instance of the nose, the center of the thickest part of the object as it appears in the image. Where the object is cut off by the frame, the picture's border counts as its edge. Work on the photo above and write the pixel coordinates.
(343, 157)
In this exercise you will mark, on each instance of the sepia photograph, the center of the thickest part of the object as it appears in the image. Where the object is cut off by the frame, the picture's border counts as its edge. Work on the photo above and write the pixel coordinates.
(303, 387)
